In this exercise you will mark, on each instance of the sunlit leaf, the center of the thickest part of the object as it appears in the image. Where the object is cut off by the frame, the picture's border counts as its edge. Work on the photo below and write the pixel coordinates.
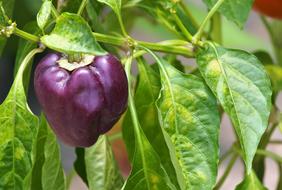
(47, 171)
(18, 132)
(243, 88)
(251, 182)
(44, 14)
(235, 10)
(72, 34)
(114, 4)
(101, 167)
(146, 94)
(188, 113)
(147, 171)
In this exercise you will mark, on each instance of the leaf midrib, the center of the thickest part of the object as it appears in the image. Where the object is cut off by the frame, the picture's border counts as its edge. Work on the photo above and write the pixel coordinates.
(232, 98)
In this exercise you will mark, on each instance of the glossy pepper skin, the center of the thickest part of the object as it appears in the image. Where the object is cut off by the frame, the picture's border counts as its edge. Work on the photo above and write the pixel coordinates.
(82, 104)
(272, 8)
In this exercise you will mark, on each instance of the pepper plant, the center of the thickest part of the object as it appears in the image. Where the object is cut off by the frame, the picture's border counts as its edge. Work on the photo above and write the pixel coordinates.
(170, 113)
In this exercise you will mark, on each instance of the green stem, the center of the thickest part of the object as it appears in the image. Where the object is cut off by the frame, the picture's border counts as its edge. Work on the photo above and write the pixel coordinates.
(226, 172)
(179, 23)
(133, 111)
(188, 14)
(25, 62)
(265, 139)
(135, 55)
(216, 28)
(26, 35)
(118, 41)
(54, 11)
(82, 7)
(171, 46)
(174, 48)
(181, 50)
(270, 155)
(122, 25)
(275, 142)
(226, 155)
(198, 35)
(69, 178)
(115, 136)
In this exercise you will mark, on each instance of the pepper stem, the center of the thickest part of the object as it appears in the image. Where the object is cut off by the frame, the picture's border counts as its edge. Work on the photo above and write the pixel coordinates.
(75, 57)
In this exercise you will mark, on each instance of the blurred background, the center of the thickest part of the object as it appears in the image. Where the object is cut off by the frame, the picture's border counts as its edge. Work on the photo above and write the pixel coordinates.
(253, 37)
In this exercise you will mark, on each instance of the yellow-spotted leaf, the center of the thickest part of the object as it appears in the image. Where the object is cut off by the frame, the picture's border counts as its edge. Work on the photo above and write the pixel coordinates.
(188, 113)
(18, 130)
(243, 88)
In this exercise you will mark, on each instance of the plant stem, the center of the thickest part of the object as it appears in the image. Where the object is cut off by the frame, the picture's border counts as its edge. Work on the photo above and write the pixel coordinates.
(198, 35)
(226, 172)
(226, 155)
(216, 28)
(179, 23)
(188, 14)
(118, 41)
(174, 48)
(275, 142)
(26, 35)
(269, 154)
(82, 6)
(69, 178)
(131, 100)
(135, 55)
(122, 25)
(115, 136)
(182, 50)
(54, 11)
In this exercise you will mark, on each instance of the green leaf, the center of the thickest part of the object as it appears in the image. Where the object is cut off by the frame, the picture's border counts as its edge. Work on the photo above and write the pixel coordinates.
(44, 14)
(264, 57)
(79, 164)
(275, 74)
(47, 171)
(101, 167)
(275, 32)
(53, 176)
(114, 4)
(36, 180)
(146, 94)
(147, 171)
(17, 134)
(72, 35)
(243, 88)
(234, 10)
(172, 60)
(71, 6)
(93, 11)
(279, 184)
(188, 113)
(24, 48)
(251, 182)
